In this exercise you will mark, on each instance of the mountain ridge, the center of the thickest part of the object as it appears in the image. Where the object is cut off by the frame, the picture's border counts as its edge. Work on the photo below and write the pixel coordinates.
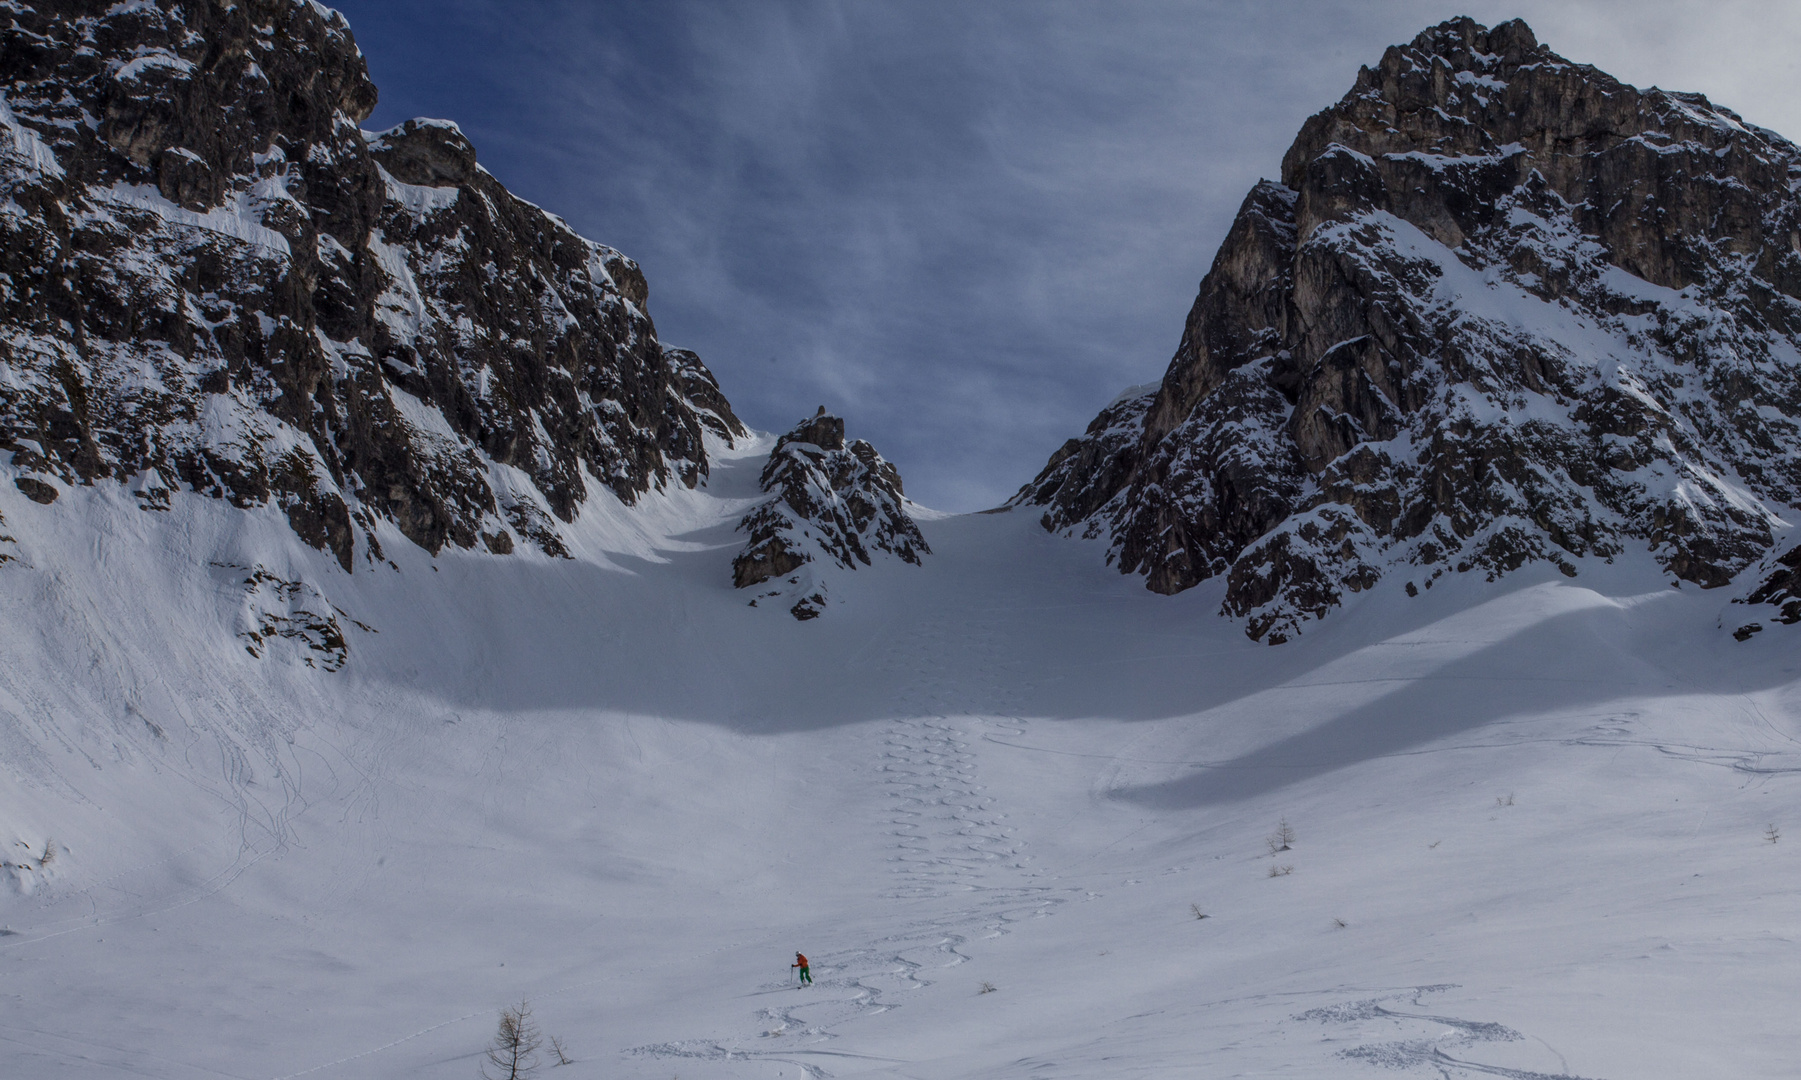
(220, 283)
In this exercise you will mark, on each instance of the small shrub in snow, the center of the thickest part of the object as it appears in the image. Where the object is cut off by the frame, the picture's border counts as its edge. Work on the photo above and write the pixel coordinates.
(556, 1047)
(1198, 913)
(1280, 840)
(513, 1054)
(988, 988)
(1504, 800)
(1340, 923)
(49, 855)
(1772, 834)
(1280, 871)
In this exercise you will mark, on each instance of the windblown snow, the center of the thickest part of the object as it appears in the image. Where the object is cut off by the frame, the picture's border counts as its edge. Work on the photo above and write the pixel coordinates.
(268, 819)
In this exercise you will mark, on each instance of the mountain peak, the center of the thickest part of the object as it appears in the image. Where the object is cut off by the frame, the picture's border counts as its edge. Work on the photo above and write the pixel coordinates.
(1502, 308)
(1466, 44)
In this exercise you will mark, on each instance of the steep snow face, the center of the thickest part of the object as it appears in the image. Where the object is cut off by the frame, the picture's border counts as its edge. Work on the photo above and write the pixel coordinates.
(1501, 309)
(831, 505)
(215, 281)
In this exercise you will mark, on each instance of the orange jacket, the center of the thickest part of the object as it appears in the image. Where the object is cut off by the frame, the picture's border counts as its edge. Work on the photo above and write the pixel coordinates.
(799, 961)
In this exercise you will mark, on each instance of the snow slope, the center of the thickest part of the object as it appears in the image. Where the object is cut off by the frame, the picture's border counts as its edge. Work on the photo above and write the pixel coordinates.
(606, 784)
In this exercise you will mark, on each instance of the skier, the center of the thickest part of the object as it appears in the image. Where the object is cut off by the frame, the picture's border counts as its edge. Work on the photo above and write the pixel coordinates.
(800, 962)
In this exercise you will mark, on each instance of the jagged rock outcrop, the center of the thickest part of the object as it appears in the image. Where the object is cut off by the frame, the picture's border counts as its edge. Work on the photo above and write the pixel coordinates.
(277, 610)
(1777, 583)
(1501, 307)
(214, 280)
(832, 504)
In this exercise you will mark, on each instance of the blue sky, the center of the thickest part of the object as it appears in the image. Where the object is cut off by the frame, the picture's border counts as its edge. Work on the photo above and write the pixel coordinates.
(963, 226)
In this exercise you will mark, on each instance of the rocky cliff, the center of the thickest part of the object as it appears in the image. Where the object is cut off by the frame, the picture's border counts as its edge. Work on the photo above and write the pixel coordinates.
(831, 503)
(1500, 308)
(211, 279)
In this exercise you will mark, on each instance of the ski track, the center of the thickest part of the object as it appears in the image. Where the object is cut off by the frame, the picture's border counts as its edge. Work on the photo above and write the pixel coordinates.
(1424, 1051)
(953, 853)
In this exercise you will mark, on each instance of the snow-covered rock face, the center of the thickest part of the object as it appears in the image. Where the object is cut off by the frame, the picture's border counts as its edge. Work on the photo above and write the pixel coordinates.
(1776, 582)
(215, 281)
(832, 504)
(1501, 308)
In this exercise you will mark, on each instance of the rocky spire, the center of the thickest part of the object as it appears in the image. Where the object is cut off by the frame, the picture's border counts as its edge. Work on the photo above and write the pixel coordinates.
(1501, 307)
(831, 504)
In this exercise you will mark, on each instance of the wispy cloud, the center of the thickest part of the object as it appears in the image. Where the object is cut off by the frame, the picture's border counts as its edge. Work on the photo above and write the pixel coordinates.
(964, 226)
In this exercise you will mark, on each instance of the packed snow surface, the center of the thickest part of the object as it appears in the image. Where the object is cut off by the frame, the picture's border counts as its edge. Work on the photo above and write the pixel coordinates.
(1532, 820)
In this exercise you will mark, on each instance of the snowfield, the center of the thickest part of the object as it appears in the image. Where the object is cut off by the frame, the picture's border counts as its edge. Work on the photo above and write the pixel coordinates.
(1531, 818)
